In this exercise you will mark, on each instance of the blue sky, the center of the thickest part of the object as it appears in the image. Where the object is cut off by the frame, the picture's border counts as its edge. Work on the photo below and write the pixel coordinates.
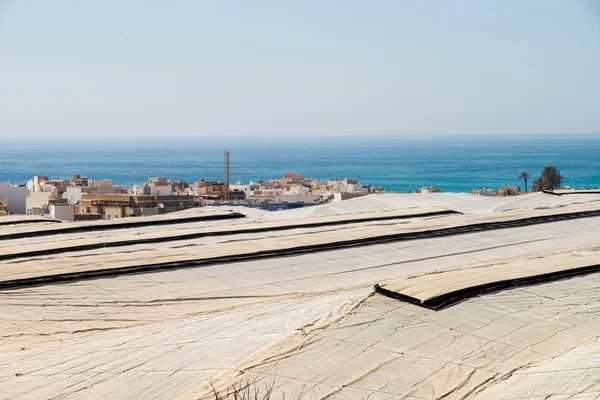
(298, 68)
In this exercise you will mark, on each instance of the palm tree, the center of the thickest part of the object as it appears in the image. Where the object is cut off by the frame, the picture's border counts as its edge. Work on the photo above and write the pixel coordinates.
(549, 179)
(524, 176)
(537, 185)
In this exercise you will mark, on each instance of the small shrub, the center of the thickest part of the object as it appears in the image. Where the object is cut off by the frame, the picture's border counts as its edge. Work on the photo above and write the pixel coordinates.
(246, 391)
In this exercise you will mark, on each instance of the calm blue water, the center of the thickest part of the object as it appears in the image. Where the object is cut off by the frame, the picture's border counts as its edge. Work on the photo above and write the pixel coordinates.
(457, 164)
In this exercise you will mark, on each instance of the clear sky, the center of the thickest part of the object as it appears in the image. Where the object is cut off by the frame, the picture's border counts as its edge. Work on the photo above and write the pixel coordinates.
(290, 68)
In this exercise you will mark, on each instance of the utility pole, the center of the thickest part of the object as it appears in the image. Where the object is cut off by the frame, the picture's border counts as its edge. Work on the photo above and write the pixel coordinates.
(226, 175)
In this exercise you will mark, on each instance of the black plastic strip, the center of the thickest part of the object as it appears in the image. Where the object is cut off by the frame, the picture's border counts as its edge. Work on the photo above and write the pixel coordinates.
(20, 222)
(397, 296)
(189, 236)
(552, 192)
(451, 298)
(76, 276)
(122, 225)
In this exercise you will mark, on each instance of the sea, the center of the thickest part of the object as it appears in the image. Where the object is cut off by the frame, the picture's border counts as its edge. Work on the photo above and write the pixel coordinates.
(453, 163)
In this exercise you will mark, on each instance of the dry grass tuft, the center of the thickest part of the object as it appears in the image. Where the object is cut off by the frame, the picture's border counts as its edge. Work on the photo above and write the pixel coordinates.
(246, 391)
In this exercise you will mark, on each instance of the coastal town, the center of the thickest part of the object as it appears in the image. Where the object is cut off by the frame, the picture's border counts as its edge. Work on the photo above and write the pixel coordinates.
(81, 198)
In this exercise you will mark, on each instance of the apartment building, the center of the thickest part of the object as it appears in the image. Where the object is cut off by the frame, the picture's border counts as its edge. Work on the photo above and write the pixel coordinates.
(122, 206)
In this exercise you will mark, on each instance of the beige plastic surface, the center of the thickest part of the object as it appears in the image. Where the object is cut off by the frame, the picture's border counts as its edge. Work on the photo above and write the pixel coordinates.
(310, 323)
(428, 286)
(176, 252)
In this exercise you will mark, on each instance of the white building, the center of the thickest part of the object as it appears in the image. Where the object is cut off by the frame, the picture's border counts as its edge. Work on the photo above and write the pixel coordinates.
(484, 192)
(16, 196)
(37, 203)
(104, 190)
(248, 189)
(346, 185)
(38, 183)
(155, 187)
(100, 182)
(356, 188)
(298, 190)
(238, 187)
(73, 195)
(141, 190)
(62, 212)
(161, 190)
